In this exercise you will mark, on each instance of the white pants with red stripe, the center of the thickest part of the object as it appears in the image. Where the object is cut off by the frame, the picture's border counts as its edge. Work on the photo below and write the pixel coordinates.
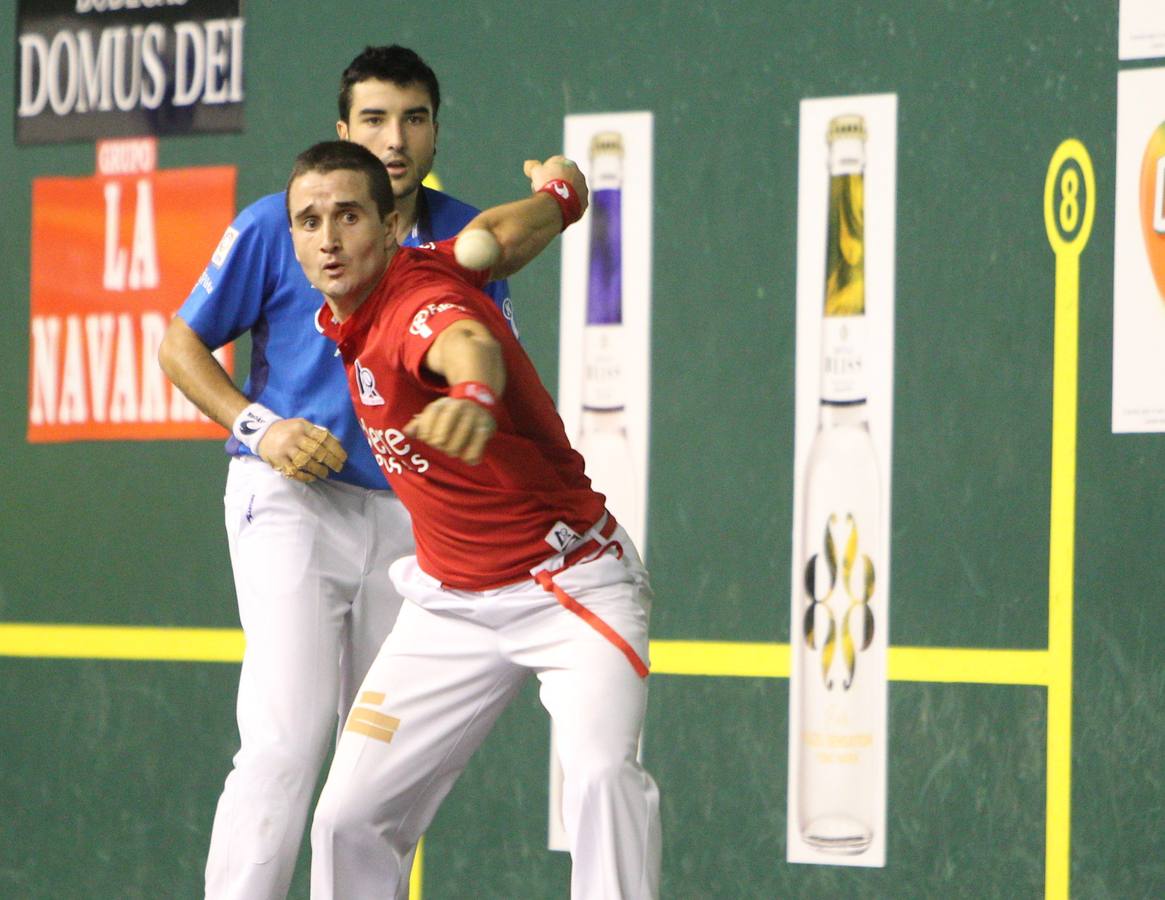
(453, 662)
(315, 601)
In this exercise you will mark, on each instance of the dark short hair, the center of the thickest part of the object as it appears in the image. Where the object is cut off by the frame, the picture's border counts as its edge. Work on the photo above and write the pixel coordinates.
(330, 156)
(396, 64)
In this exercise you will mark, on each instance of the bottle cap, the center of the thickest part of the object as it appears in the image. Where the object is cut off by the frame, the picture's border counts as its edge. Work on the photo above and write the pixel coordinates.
(607, 142)
(852, 127)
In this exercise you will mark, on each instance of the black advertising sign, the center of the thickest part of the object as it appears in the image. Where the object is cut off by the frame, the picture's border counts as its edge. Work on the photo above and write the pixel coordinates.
(113, 68)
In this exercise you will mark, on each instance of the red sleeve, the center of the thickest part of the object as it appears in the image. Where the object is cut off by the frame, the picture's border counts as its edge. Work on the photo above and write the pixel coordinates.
(427, 318)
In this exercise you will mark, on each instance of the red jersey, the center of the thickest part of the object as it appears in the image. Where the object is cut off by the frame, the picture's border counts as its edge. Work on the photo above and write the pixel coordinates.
(476, 527)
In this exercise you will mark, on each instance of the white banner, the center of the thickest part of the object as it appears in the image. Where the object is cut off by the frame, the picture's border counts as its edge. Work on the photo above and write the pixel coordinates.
(839, 618)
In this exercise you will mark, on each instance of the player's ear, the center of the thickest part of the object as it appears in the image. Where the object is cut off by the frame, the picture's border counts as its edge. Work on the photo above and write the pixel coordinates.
(436, 131)
(390, 228)
(342, 129)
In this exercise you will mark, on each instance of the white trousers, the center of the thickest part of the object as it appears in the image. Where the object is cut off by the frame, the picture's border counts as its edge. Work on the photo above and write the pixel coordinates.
(451, 665)
(311, 573)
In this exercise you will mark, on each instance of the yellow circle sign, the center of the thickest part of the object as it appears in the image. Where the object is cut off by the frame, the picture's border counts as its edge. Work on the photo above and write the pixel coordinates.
(1069, 198)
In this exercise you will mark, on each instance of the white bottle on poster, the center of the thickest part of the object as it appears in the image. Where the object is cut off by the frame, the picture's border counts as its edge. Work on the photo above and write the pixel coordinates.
(840, 607)
(603, 440)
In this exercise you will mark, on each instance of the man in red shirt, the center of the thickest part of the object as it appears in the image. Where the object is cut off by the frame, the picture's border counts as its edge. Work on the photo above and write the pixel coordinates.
(519, 570)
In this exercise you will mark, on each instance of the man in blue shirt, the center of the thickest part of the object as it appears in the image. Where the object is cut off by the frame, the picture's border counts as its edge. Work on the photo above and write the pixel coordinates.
(311, 528)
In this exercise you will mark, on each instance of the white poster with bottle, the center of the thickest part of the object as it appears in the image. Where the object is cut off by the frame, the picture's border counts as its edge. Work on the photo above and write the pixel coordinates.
(1138, 268)
(604, 359)
(839, 621)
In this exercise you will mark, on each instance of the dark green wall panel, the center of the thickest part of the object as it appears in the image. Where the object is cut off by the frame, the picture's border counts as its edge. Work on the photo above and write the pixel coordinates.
(113, 768)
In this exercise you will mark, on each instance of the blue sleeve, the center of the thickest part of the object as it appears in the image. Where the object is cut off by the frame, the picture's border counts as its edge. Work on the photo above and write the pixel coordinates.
(228, 298)
(499, 292)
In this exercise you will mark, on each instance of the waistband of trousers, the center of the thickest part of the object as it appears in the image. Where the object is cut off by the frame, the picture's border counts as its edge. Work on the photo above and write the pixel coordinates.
(585, 546)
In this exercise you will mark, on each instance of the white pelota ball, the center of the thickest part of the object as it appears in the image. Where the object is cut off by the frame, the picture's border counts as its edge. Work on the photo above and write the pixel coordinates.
(476, 249)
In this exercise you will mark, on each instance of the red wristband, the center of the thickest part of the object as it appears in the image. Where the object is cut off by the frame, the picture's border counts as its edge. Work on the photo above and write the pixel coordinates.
(476, 392)
(566, 197)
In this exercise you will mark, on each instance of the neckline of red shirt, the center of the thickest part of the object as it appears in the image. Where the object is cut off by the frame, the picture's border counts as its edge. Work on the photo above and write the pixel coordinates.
(363, 315)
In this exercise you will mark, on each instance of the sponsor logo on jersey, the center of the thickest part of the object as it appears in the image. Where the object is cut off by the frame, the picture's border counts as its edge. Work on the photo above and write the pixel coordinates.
(561, 536)
(224, 246)
(367, 384)
(428, 245)
(508, 312)
(205, 283)
(419, 326)
(393, 451)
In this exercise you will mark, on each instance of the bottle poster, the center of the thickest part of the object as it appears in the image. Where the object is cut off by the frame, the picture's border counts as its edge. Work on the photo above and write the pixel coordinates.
(840, 585)
(1138, 290)
(604, 368)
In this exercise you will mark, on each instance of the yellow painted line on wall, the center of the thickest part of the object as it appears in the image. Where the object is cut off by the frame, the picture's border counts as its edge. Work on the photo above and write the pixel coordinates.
(1069, 206)
(729, 658)
(926, 664)
(708, 658)
(121, 642)
(963, 665)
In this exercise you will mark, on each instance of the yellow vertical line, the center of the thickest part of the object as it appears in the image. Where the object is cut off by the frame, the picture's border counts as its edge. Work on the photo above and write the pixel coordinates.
(1069, 206)
(1060, 578)
(417, 876)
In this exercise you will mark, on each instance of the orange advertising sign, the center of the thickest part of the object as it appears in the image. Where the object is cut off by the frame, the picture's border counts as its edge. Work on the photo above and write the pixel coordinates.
(113, 257)
(1153, 204)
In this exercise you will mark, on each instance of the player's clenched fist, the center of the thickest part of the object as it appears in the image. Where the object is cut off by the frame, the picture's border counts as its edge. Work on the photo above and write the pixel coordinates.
(558, 168)
(460, 428)
(301, 450)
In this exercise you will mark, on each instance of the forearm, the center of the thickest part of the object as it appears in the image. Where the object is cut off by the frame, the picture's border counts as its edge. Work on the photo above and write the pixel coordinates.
(466, 351)
(462, 424)
(189, 363)
(523, 229)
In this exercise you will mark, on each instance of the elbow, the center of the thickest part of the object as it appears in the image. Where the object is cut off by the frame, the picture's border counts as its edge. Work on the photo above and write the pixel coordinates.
(172, 347)
(166, 352)
(166, 355)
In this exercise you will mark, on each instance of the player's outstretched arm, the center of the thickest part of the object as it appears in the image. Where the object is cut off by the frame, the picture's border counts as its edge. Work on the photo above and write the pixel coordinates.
(461, 424)
(524, 228)
(296, 447)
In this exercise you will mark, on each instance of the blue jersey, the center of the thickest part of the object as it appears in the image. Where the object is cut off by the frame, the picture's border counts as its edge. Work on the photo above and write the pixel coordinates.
(254, 283)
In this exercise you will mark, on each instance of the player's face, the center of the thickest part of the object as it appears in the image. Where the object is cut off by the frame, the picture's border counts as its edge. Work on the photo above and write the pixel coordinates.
(396, 123)
(339, 237)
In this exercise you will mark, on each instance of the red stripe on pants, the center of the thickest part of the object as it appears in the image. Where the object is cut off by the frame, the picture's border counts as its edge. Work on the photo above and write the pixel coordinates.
(544, 579)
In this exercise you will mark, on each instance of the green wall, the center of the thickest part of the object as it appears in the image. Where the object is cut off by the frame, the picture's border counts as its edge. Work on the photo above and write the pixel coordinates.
(109, 770)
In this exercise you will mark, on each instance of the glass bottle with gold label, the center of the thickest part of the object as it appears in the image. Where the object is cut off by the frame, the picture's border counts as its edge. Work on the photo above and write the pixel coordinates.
(838, 601)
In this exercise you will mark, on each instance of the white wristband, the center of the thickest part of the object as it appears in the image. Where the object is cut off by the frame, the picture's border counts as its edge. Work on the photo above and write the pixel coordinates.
(252, 423)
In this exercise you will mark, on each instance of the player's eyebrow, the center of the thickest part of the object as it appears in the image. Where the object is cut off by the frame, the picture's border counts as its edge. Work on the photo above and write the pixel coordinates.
(307, 210)
(310, 209)
(378, 111)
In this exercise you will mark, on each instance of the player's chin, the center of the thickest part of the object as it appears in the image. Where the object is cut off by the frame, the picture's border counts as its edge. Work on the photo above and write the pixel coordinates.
(404, 184)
